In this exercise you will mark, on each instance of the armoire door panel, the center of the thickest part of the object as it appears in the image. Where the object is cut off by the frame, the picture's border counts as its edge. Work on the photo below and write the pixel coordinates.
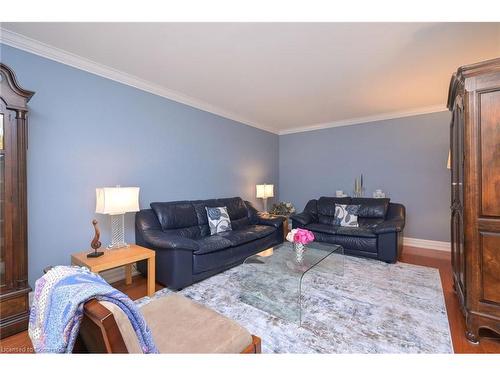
(474, 99)
(490, 265)
(14, 289)
(490, 153)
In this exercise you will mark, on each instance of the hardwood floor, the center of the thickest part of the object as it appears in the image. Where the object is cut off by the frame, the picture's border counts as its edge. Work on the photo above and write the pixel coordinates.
(20, 343)
(441, 260)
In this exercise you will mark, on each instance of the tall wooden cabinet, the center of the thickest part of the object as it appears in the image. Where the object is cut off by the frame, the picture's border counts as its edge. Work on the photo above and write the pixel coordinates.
(14, 288)
(474, 99)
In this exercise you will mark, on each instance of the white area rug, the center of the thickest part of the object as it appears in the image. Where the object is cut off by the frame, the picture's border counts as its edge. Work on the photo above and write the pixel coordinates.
(373, 308)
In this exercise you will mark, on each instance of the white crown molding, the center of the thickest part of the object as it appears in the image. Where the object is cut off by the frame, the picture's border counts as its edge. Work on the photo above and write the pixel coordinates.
(362, 120)
(427, 244)
(67, 58)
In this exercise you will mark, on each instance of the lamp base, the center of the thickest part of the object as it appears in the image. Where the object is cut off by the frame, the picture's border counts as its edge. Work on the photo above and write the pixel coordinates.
(114, 246)
(95, 254)
(265, 204)
(117, 232)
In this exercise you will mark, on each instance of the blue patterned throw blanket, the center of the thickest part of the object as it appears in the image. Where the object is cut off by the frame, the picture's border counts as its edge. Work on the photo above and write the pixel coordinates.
(57, 309)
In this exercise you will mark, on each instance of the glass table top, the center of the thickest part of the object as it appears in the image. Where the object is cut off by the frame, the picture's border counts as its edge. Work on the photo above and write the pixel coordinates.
(273, 279)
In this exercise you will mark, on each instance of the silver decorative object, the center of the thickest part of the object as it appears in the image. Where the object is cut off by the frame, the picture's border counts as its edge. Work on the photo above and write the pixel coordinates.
(358, 187)
(299, 251)
(117, 232)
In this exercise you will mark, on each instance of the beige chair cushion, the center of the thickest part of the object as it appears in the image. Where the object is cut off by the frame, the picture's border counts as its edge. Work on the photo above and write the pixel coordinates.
(180, 325)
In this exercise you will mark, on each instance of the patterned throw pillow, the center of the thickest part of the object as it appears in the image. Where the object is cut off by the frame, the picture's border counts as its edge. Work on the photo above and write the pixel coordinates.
(218, 219)
(346, 215)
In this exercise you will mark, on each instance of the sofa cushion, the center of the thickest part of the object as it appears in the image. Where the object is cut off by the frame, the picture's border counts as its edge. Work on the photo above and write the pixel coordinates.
(188, 232)
(327, 220)
(372, 207)
(357, 243)
(369, 222)
(173, 215)
(240, 223)
(326, 208)
(356, 232)
(344, 231)
(229, 257)
(180, 325)
(247, 234)
(368, 245)
(322, 228)
(312, 207)
(326, 205)
(210, 244)
(236, 207)
(201, 212)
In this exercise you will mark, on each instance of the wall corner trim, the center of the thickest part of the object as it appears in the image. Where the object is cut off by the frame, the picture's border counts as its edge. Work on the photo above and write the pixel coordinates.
(427, 244)
(36, 47)
(366, 119)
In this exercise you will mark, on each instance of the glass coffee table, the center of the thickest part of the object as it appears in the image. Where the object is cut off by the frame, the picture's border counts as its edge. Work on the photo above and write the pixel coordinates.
(274, 280)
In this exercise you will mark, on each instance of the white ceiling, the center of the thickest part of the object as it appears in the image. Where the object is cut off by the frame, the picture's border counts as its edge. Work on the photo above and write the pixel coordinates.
(283, 76)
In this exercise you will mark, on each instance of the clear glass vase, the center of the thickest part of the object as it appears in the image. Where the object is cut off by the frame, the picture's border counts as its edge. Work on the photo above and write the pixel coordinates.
(299, 251)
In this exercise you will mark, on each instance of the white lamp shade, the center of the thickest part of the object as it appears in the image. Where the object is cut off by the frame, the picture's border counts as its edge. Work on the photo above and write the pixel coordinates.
(265, 191)
(117, 200)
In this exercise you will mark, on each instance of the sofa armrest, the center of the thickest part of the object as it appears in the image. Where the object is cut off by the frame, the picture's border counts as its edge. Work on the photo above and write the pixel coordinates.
(273, 221)
(395, 220)
(303, 218)
(161, 240)
(393, 225)
(396, 211)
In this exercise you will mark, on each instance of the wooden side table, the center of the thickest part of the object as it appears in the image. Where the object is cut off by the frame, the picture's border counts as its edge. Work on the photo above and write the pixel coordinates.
(118, 258)
(285, 227)
(285, 223)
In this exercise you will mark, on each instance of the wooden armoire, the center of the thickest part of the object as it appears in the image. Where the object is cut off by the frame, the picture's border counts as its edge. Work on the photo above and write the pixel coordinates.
(474, 99)
(14, 288)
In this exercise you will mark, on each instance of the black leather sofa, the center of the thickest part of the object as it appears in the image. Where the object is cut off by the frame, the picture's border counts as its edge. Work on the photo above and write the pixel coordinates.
(380, 231)
(185, 250)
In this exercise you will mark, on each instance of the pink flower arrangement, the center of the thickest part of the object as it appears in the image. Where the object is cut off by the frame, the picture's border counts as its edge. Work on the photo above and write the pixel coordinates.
(302, 236)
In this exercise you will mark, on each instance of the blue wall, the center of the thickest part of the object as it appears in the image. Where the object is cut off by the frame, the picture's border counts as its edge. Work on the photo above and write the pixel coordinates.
(86, 131)
(405, 157)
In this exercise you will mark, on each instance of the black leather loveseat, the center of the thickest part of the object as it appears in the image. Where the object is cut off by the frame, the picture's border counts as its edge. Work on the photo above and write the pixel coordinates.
(185, 250)
(380, 231)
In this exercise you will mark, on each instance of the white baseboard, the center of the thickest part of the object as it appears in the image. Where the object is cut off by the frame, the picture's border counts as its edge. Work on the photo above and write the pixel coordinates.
(427, 244)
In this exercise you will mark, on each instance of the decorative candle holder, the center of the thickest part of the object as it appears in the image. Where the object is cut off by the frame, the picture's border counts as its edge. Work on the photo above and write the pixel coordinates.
(358, 187)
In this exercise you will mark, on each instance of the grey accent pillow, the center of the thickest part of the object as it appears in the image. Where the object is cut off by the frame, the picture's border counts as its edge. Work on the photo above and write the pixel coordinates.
(218, 220)
(346, 215)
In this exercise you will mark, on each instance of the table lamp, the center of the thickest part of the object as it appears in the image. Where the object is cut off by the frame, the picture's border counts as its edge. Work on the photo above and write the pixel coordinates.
(265, 191)
(116, 201)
